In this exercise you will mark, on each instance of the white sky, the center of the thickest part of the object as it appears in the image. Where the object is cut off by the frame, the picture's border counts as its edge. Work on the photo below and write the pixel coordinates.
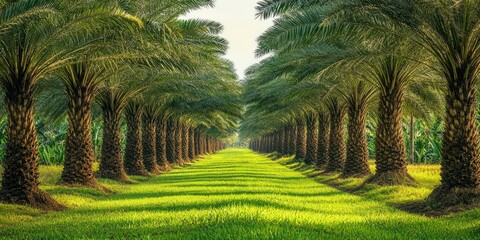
(241, 29)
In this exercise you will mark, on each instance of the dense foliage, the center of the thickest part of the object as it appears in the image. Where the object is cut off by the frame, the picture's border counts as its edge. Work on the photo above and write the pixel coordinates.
(346, 81)
(130, 84)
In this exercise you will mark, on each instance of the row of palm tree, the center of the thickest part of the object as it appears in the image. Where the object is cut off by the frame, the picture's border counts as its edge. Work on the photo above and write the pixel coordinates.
(103, 60)
(332, 59)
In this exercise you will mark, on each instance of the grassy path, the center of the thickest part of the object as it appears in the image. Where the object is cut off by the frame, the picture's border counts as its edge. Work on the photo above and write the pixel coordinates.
(235, 194)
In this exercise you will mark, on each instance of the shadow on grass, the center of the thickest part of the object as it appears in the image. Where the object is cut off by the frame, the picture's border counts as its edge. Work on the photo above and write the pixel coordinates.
(385, 194)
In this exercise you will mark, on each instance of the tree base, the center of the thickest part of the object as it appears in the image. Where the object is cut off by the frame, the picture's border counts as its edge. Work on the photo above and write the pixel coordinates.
(332, 170)
(180, 162)
(142, 173)
(90, 184)
(320, 167)
(156, 171)
(122, 178)
(165, 168)
(446, 197)
(36, 199)
(392, 178)
(355, 175)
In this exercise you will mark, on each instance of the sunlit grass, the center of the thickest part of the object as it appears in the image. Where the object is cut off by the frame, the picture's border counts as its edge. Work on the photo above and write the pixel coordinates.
(427, 176)
(235, 194)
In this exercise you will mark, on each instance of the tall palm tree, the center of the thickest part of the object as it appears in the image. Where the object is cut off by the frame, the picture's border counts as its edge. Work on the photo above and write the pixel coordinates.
(358, 101)
(133, 158)
(448, 30)
(113, 100)
(32, 50)
(337, 149)
(151, 113)
(312, 138)
(323, 138)
(161, 144)
(153, 39)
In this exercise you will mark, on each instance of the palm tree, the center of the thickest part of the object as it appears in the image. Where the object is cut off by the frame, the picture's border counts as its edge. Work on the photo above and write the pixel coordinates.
(358, 101)
(323, 138)
(312, 138)
(171, 146)
(318, 44)
(31, 51)
(337, 149)
(154, 33)
(150, 116)
(301, 148)
(133, 158)
(185, 142)
(448, 30)
(113, 100)
(161, 144)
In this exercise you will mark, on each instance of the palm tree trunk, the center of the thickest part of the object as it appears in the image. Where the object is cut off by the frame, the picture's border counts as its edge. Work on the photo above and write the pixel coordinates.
(391, 157)
(280, 138)
(337, 149)
(111, 165)
(323, 139)
(197, 143)
(461, 164)
(191, 145)
(356, 164)
(312, 139)
(20, 177)
(208, 145)
(161, 144)
(285, 140)
(171, 133)
(79, 154)
(301, 148)
(203, 147)
(204, 144)
(293, 140)
(149, 144)
(178, 144)
(185, 143)
(133, 158)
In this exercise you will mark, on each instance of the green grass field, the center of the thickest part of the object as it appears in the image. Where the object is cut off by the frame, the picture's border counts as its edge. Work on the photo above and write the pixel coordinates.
(427, 176)
(235, 194)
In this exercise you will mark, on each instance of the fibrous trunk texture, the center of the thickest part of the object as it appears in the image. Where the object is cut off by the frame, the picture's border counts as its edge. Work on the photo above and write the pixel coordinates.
(111, 164)
(197, 143)
(149, 145)
(323, 139)
(391, 157)
(460, 164)
(337, 150)
(171, 146)
(293, 140)
(20, 177)
(301, 147)
(161, 144)
(312, 139)
(185, 143)
(178, 144)
(191, 145)
(356, 164)
(79, 154)
(133, 158)
(203, 142)
(285, 141)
